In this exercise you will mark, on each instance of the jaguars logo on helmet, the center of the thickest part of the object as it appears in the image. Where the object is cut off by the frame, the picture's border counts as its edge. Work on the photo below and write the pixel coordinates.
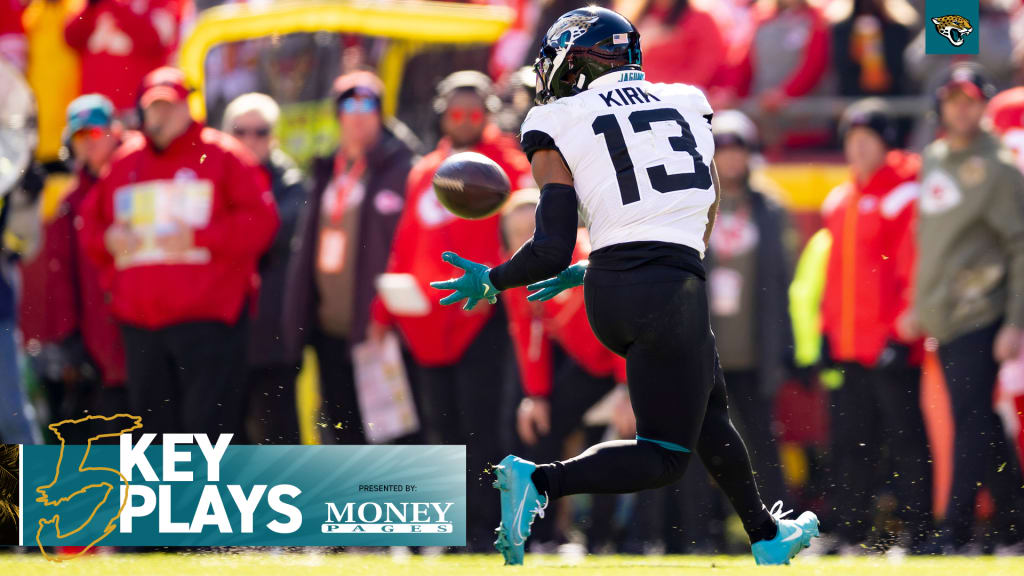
(582, 45)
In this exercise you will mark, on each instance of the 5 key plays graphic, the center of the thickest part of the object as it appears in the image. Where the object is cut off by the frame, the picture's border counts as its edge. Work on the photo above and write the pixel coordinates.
(127, 487)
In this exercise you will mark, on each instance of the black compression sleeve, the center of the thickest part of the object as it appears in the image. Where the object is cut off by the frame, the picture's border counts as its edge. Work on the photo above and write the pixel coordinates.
(550, 250)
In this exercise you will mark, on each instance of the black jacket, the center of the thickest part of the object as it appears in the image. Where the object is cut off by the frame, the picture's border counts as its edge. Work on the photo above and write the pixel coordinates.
(774, 273)
(266, 334)
(895, 38)
(387, 169)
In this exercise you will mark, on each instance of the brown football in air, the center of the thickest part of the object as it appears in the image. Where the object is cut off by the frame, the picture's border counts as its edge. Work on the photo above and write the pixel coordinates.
(471, 185)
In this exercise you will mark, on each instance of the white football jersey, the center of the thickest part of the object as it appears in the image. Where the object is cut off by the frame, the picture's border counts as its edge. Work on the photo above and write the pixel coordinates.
(640, 156)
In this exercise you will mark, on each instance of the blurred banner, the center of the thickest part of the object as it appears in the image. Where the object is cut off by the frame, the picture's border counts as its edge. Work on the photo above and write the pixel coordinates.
(194, 490)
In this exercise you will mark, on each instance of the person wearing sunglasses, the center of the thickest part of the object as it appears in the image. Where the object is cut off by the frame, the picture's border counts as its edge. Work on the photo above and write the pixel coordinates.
(343, 244)
(271, 416)
(455, 352)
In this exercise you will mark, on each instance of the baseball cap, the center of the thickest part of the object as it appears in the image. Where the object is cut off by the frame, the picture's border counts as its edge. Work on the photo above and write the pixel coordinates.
(89, 111)
(165, 83)
(358, 84)
(466, 80)
(970, 79)
(734, 128)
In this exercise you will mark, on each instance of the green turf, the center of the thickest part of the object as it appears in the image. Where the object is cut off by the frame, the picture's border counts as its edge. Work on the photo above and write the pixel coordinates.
(251, 564)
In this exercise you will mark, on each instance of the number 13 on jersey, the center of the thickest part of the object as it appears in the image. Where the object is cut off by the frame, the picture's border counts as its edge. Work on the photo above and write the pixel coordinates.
(661, 180)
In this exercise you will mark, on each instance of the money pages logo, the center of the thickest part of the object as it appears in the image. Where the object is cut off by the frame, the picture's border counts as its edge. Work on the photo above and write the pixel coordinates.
(126, 487)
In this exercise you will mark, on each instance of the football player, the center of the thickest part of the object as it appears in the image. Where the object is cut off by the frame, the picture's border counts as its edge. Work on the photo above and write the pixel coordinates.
(635, 159)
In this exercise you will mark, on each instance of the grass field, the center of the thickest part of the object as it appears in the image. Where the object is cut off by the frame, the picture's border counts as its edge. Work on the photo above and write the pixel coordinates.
(254, 564)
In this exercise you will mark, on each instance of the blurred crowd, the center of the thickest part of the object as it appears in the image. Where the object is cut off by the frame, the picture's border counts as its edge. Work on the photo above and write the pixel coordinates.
(183, 271)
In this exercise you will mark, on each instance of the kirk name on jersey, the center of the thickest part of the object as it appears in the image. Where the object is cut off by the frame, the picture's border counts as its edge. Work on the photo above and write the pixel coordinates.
(640, 156)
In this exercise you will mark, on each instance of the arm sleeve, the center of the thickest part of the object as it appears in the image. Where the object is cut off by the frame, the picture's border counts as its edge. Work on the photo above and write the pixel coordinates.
(248, 226)
(550, 250)
(1006, 216)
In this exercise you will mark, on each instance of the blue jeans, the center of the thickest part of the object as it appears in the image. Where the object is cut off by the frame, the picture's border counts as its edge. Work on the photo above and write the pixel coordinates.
(17, 417)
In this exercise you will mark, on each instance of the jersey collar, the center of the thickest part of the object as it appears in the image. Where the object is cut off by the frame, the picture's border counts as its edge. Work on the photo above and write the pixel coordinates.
(616, 77)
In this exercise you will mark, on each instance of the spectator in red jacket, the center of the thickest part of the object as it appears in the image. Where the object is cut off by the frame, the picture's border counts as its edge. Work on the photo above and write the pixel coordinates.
(867, 289)
(177, 225)
(674, 27)
(457, 379)
(564, 369)
(64, 316)
(119, 42)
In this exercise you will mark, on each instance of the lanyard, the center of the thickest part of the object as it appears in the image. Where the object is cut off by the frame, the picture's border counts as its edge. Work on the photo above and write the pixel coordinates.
(344, 182)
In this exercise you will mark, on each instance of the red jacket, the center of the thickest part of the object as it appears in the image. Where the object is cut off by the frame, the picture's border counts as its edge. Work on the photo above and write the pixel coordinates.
(48, 310)
(868, 278)
(239, 227)
(563, 319)
(100, 332)
(694, 34)
(120, 41)
(425, 230)
(62, 291)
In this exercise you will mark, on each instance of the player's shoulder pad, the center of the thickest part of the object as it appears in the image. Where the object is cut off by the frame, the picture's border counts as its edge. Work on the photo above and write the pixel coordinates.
(549, 118)
(542, 126)
(690, 97)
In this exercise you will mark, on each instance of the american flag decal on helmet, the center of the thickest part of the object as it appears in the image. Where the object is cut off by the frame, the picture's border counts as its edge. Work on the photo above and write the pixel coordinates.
(620, 38)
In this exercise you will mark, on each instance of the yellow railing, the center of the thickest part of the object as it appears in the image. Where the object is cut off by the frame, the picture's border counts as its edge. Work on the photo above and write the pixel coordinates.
(410, 23)
(803, 186)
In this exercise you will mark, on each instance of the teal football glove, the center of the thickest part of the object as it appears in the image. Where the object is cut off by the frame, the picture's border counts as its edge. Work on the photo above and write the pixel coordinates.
(571, 277)
(475, 284)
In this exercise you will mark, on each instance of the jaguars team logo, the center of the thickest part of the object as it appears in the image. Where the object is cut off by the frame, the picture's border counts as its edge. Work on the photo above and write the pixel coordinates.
(954, 28)
(567, 30)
